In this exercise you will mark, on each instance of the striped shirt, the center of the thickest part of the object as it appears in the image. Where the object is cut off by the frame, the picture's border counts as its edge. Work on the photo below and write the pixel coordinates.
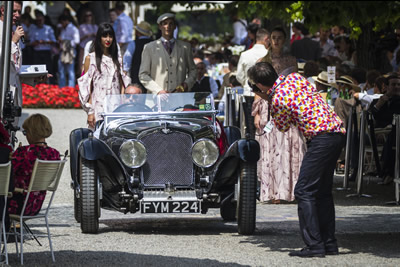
(297, 102)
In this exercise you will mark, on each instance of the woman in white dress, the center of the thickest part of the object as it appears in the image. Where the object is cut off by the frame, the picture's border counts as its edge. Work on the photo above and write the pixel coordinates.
(102, 74)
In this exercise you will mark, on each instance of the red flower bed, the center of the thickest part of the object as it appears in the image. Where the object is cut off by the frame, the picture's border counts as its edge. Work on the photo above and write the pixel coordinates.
(50, 96)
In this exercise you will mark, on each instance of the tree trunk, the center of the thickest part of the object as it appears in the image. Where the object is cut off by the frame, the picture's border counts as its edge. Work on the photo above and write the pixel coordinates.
(365, 55)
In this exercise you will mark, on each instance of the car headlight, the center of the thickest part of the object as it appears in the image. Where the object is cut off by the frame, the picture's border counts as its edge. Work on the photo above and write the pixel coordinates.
(205, 153)
(133, 153)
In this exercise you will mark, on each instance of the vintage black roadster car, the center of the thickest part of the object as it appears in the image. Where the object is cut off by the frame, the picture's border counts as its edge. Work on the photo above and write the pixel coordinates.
(163, 154)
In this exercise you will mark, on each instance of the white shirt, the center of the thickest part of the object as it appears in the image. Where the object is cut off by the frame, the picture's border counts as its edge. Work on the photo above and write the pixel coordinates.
(367, 99)
(246, 61)
(239, 31)
(71, 33)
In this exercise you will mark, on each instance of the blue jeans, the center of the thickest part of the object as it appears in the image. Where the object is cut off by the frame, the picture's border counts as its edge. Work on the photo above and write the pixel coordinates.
(313, 191)
(70, 68)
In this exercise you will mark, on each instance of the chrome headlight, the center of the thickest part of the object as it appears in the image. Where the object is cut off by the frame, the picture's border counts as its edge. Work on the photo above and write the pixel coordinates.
(133, 153)
(205, 153)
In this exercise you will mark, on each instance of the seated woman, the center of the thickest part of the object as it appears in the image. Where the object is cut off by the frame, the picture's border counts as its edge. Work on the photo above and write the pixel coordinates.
(5, 153)
(36, 127)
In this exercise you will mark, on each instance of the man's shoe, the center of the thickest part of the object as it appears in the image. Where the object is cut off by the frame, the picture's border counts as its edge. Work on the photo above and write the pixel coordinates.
(308, 253)
(331, 251)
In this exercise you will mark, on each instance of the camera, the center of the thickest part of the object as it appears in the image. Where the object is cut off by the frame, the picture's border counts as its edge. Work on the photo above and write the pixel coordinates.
(10, 111)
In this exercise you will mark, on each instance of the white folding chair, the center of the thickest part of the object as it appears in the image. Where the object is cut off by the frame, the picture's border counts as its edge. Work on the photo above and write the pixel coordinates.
(45, 177)
(5, 170)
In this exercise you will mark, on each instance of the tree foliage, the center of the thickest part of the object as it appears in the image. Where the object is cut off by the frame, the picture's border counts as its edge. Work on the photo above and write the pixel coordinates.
(314, 14)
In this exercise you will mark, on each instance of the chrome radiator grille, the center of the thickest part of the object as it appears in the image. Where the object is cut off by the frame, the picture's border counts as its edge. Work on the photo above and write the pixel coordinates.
(169, 159)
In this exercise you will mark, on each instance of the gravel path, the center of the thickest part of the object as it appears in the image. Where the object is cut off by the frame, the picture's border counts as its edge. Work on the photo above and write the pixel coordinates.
(368, 231)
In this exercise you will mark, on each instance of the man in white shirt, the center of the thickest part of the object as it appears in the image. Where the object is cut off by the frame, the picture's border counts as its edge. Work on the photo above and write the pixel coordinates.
(123, 27)
(69, 40)
(249, 58)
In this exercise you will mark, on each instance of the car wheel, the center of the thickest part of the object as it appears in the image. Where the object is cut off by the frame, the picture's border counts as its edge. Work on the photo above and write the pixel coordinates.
(89, 197)
(77, 208)
(228, 208)
(246, 203)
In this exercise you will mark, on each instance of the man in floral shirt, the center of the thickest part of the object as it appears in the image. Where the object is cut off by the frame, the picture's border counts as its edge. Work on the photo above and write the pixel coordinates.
(293, 100)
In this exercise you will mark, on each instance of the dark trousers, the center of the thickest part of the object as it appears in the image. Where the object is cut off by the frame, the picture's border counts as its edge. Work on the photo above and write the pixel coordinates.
(313, 190)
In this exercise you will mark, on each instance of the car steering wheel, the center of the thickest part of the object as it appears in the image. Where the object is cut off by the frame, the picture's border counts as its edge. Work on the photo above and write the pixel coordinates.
(133, 107)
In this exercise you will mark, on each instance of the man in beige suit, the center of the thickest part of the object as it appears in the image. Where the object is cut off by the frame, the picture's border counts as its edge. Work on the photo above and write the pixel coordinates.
(167, 64)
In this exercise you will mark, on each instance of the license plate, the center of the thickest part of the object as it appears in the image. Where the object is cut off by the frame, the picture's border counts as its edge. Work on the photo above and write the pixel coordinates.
(170, 207)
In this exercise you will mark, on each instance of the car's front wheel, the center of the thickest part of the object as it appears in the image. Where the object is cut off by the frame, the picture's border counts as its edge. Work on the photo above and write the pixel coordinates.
(247, 194)
(89, 197)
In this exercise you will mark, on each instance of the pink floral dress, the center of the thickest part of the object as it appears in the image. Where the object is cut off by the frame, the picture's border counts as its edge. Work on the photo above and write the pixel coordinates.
(23, 160)
(104, 83)
(281, 153)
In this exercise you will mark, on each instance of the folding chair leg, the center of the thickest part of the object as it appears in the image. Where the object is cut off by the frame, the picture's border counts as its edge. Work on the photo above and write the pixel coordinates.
(21, 228)
(15, 237)
(49, 236)
(4, 249)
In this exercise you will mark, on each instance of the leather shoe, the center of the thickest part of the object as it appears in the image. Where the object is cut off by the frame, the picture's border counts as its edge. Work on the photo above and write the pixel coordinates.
(331, 251)
(308, 253)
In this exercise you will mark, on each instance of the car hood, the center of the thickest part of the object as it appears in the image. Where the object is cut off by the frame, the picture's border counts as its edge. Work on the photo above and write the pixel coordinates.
(132, 128)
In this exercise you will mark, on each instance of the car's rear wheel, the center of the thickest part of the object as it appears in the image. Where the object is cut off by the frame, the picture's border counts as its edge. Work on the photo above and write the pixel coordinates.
(77, 208)
(89, 197)
(247, 194)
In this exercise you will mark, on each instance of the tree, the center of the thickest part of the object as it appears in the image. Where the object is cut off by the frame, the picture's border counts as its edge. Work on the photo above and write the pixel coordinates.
(364, 18)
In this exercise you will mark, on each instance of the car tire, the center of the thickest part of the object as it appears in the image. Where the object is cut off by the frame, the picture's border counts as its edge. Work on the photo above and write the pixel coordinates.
(89, 197)
(77, 208)
(228, 209)
(246, 203)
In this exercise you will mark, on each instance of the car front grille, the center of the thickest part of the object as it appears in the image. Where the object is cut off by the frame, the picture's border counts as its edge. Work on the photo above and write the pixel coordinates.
(169, 159)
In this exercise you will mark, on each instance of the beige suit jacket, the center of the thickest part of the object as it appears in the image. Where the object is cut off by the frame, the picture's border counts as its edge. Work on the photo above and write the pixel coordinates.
(161, 71)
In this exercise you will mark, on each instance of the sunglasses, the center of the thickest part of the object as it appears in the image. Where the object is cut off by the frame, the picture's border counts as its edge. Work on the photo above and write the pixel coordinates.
(254, 87)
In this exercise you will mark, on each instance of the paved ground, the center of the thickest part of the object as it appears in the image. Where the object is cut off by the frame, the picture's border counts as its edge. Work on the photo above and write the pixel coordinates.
(368, 230)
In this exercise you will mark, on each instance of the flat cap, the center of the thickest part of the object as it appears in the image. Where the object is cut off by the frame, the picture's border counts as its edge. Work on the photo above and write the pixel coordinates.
(165, 16)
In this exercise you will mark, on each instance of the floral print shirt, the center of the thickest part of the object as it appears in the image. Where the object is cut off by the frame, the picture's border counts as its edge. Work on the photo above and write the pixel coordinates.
(23, 160)
(297, 102)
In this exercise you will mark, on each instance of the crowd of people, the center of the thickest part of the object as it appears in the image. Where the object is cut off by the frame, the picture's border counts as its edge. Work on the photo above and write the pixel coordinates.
(300, 109)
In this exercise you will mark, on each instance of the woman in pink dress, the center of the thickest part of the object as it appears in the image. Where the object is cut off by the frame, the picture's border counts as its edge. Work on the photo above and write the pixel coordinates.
(281, 153)
(37, 128)
(103, 74)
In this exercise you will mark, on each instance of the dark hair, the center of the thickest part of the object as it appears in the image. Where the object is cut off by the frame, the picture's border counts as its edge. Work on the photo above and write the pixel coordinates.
(311, 68)
(261, 33)
(359, 75)
(381, 82)
(120, 6)
(279, 29)
(64, 18)
(263, 73)
(372, 75)
(105, 29)
(234, 60)
(392, 76)
(253, 28)
(234, 81)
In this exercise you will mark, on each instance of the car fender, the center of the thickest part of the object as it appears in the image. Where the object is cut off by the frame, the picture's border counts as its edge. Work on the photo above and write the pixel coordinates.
(95, 149)
(247, 150)
(75, 137)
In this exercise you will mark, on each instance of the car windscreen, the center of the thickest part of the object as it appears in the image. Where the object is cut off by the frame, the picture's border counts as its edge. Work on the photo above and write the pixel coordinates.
(162, 103)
